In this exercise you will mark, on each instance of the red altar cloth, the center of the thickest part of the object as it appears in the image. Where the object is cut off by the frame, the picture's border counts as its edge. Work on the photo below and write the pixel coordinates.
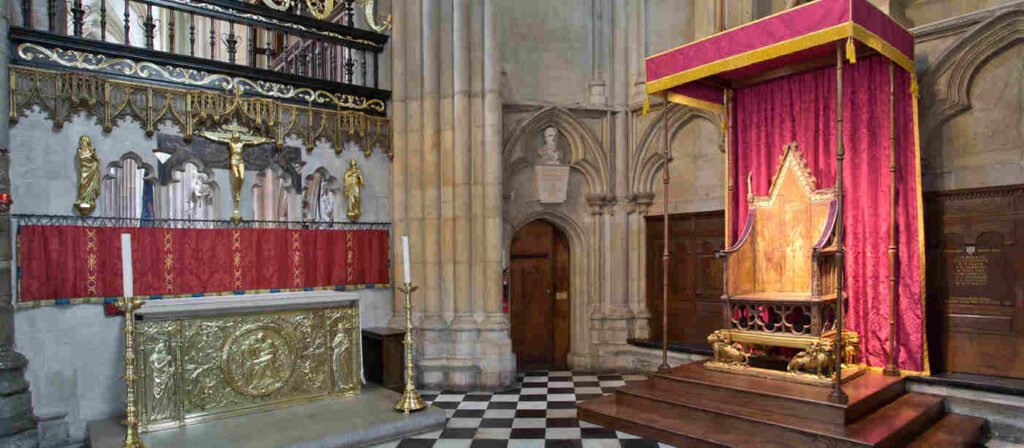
(75, 264)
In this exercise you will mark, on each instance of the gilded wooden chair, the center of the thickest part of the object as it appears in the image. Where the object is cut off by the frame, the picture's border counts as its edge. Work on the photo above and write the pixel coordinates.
(780, 278)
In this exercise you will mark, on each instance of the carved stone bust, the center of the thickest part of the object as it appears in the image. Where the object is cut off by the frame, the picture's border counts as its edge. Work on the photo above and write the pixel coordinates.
(549, 153)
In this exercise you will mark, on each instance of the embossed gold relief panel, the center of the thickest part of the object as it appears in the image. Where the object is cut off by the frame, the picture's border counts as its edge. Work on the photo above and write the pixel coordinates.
(200, 368)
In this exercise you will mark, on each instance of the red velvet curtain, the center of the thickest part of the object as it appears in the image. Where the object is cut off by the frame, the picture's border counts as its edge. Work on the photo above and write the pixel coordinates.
(69, 262)
(801, 108)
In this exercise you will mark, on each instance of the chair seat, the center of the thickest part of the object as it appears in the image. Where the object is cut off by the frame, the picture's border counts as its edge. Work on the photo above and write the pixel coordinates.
(782, 297)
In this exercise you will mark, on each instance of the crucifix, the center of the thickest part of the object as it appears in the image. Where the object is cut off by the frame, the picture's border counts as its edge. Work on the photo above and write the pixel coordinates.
(236, 140)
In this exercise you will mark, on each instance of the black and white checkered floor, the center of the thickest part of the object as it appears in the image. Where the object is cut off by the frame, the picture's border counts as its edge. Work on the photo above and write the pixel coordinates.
(540, 413)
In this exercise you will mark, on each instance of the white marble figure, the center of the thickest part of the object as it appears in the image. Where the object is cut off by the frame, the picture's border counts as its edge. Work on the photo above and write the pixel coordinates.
(549, 154)
(326, 203)
(200, 199)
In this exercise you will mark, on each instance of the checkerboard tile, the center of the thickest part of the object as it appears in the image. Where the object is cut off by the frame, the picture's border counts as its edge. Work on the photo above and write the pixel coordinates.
(540, 412)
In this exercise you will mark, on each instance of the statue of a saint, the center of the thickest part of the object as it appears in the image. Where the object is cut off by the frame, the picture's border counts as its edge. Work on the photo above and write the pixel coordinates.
(326, 202)
(200, 199)
(88, 176)
(353, 182)
(549, 154)
(236, 143)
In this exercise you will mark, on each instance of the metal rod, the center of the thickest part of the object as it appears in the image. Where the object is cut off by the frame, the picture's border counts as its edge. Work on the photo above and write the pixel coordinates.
(268, 49)
(127, 22)
(98, 221)
(720, 19)
(103, 20)
(252, 45)
(149, 27)
(665, 256)
(837, 394)
(26, 13)
(77, 16)
(191, 34)
(213, 40)
(51, 16)
(891, 368)
(171, 24)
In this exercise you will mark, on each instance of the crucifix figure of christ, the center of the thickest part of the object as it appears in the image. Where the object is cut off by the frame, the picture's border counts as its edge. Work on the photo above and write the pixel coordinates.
(236, 142)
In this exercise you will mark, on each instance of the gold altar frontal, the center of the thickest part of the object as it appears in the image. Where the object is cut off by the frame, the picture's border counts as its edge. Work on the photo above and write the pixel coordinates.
(195, 368)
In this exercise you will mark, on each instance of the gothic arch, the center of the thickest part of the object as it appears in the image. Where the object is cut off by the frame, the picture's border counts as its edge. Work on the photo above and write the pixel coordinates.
(149, 173)
(585, 151)
(580, 291)
(948, 80)
(648, 160)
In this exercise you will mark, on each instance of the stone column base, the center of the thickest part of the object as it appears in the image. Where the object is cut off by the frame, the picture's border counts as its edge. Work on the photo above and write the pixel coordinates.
(17, 422)
(478, 356)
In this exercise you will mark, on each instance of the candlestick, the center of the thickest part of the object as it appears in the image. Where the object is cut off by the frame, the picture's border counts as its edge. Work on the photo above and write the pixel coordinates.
(126, 265)
(405, 260)
(410, 400)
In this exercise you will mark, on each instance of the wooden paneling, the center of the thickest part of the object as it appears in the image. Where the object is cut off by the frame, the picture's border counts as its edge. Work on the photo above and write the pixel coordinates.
(540, 300)
(695, 276)
(975, 280)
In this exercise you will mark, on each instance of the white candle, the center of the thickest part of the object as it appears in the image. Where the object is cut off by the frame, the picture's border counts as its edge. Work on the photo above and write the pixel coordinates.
(405, 259)
(126, 265)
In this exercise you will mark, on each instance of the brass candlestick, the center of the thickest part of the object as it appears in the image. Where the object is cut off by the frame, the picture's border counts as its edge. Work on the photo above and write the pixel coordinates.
(410, 401)
(131, 415)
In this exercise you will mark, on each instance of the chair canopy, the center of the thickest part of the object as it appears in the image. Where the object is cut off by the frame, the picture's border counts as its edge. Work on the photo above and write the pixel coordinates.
(697, 73)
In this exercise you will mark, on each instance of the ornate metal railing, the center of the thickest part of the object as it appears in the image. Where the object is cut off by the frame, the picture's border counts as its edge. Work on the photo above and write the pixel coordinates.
(288, 48)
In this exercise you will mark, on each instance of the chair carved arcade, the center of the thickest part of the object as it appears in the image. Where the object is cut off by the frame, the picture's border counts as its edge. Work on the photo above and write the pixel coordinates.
(780, 283)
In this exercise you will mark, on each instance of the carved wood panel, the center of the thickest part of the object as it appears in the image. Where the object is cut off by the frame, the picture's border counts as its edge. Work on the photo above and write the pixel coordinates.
(695, 276)
(976, 280)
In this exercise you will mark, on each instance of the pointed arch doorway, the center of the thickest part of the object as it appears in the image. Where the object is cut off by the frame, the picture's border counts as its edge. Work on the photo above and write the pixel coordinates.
(539, 296)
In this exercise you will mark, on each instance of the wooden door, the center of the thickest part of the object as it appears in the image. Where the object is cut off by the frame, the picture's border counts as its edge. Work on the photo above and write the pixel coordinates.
(540, 297)
(695, 276)
(975, 275)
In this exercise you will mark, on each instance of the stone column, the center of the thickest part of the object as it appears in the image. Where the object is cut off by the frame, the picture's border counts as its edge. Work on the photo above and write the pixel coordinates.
(399, 166)
(17, 424)
(638, 263)
(496, 362)
(447, 168)
(465, 331)
(598, 85)
(414, 146)
(637, 13)
(433, 329)
(620, 218)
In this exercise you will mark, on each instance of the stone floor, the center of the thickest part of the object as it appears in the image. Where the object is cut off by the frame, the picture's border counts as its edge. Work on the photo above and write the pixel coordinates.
(540, 413)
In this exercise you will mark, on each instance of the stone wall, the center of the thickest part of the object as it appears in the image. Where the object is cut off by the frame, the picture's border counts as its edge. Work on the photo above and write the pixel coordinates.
(75, 353)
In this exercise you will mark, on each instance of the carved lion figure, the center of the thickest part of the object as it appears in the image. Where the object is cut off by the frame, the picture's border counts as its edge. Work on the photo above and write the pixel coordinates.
(817, 359)
(726, 353)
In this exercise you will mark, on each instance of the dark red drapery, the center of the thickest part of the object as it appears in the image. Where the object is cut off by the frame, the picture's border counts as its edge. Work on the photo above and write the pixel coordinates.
(63, 263)
(802, 108)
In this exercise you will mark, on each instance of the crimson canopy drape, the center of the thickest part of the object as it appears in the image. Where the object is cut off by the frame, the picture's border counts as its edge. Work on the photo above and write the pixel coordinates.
(802, 108)
(65, 264)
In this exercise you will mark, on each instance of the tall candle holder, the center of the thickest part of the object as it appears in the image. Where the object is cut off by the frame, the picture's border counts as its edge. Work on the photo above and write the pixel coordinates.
(410, 401)
(128, 305)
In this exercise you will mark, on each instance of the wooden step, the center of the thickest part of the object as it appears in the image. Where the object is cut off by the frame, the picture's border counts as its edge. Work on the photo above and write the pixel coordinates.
(655, 424)
(866, 393)
(898, 422)
(740, 417)
(953, 430)
(642, 406)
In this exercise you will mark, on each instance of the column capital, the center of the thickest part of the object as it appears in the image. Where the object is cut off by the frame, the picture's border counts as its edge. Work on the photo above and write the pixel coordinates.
(599, 202)
(640, 203)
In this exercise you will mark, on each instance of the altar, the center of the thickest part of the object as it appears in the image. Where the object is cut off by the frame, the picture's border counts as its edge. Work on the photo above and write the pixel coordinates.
(214, 357)
(280, 369)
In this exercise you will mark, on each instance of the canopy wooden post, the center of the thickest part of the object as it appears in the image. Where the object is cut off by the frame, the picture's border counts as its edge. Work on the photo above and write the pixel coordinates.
(837, 394)
(664, 367)
(890, 366)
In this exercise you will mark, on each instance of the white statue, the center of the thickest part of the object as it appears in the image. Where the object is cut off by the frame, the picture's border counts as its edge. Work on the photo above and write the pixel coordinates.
(549, 154)
(200, 198)
(326, 203)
